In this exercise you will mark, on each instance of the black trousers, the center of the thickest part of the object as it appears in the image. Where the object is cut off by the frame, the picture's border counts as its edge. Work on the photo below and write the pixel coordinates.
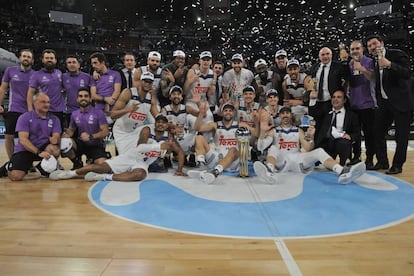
(366, 119)
(384, 116)
(338, 147)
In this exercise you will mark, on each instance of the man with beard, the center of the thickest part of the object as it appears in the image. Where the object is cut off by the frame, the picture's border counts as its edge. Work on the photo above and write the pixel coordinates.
(17, 79)
(173, 73)
(72, 81)
(49, 81)
(265, 80)
(237, 78)
(133, 165)
(153, 66)
(39, 138)
(294, 90)
(279, 68)
(106, 89)
(91, 127)
(131, 112)
(225, 155)
(285, 154)
(177, 119)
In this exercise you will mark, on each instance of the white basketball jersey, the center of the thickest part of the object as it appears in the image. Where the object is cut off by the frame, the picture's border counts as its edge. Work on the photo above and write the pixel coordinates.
(287, 140)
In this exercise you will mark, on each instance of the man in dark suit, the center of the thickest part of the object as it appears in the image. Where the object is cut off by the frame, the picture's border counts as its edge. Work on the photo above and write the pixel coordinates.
(330, 76)
(395, 102)
(339, 130)
(127, 73)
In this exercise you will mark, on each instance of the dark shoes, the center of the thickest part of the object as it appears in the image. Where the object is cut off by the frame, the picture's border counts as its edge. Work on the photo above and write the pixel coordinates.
(379, 166)
(394, 170)
(354, 161)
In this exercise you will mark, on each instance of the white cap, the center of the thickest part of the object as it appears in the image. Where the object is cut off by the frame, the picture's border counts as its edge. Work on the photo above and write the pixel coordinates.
(65, 145)
(178, 53)
(49, 165)
(206, 54)
(175, 88)
(237, 57)
(260, 61)
(154, 54)
(147, 76)
(281, 53)
(293, 61)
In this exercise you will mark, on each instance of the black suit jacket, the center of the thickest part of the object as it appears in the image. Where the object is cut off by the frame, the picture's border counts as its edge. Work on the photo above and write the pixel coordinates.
(337, 76)
(351, 127)
(396, 81)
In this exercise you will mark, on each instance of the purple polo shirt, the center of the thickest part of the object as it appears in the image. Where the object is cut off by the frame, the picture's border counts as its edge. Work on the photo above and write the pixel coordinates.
(51, 84)
(39, 129)
(362, 90)
(18, 81)
(89, 121)
(106, 84)
(71, 84)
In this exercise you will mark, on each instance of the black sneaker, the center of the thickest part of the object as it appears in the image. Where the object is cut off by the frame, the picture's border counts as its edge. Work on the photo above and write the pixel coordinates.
(77, 164)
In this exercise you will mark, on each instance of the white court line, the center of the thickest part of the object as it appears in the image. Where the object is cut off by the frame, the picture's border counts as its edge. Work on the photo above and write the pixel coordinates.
(287, 258)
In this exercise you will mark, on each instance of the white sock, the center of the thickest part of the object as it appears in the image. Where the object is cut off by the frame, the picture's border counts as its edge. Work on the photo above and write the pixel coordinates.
(337, 168)
(108, 176)
(201, 159)
(73, 173)
(219, 168)
(270, 166)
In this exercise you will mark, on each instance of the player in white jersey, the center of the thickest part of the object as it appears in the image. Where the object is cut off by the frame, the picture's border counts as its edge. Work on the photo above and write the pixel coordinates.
(131, 111)
(286, 142)
(265, 80)
(153, 66)
(272, 107)
(225, 154)
(237, 78)
(177, 118)
(199, 86)
(132, 165)
(294, 90)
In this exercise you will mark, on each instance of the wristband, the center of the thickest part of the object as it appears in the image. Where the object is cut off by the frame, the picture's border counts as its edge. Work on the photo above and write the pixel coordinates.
(91, 137)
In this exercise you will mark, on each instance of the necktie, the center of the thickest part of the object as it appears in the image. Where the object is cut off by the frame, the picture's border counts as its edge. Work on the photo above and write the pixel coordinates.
(320, 86)
(129, 79)
(217, 92)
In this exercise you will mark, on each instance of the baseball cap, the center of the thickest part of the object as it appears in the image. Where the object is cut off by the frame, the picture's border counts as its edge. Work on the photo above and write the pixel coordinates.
(260, 61)
(178, 53)
(285, 109)
(161, 117)
(281, 53)
(205, 54)
(154, 54)
(175, 88)
(147, 76)
(249, 88)
(292, 61)
(227, 105)
(271, 92)
(49, 165)
(65, 145)
(237, 57)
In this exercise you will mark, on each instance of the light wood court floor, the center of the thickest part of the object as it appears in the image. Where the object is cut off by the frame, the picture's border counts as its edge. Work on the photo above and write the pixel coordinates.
(51, 228)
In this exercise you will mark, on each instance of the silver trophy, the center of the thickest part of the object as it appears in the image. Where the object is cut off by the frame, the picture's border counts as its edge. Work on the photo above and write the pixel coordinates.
(243, 136)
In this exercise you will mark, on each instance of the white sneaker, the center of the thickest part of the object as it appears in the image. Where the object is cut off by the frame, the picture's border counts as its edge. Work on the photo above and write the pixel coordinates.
(61, 174)
(349, 174)
(263, 172)
(204, 176)
(93, 176)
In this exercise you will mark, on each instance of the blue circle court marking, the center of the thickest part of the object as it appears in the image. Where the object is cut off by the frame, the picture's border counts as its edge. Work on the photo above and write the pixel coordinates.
(297, 206)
